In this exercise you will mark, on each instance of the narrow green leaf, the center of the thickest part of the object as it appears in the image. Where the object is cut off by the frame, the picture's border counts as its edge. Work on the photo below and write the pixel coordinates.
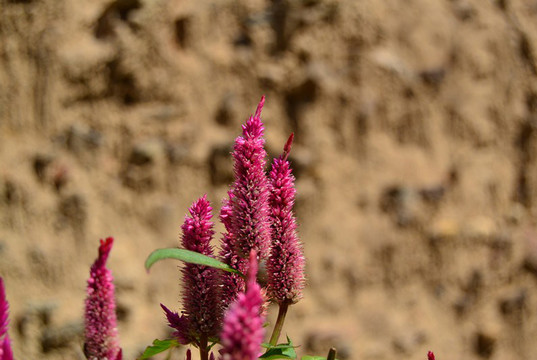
(158, 347)
(187, 256)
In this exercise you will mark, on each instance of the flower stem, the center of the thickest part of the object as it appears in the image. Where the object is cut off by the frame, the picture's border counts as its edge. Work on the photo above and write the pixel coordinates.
(204, 349)
(331, 354)
(282, 311)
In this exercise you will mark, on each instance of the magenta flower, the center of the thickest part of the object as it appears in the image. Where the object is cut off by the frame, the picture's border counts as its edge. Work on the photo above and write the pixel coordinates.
(232, 283)
(242, 332)
(202, 313)
(286, 262)
(430, 355)
(101, 335)
(250, 208)
(5, 344)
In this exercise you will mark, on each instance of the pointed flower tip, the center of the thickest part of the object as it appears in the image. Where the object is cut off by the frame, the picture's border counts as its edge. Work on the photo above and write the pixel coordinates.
(288, 145)
(260, 107)
(430, 355)
(104, 250)
(253, 128)
(202, 206)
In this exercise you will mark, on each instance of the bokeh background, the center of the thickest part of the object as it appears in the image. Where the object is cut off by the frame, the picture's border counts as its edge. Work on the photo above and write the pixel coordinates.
(415, 156)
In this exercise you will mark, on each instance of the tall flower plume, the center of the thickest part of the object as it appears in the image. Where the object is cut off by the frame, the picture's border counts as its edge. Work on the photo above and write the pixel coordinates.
(250, 210)
(286, 262)
(202, 313)
(101, 335)
(5, 343)
(242, 332)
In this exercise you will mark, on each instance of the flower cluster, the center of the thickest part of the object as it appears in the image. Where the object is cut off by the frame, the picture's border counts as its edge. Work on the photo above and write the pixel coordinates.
(258, 219)
(218, 307)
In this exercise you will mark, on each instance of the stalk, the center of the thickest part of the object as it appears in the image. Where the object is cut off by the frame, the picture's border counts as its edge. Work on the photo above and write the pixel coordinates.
(282, 311)
(204, 349)
(331, 354)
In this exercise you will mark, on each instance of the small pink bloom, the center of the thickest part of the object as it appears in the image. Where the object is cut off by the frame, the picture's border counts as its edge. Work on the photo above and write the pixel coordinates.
(430, 355)
(242, 332)
(286, 262)
(101, 336)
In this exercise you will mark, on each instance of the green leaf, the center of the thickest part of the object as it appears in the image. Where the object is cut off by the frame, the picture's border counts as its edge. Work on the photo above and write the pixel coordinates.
(158, 347)
(280, 351)
(189, 257)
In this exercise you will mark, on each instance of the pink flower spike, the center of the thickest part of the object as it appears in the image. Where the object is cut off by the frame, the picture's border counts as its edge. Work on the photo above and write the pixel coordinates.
(101, 336)
(286, 261)
(201, 295)
(242, 332)
(250, 224)
(5, 344)
(430, 355)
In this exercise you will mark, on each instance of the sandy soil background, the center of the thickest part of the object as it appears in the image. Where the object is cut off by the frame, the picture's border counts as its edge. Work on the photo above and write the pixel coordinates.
(415, 156)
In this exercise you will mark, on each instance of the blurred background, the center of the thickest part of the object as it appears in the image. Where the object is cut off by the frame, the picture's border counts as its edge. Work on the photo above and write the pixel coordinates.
(415, 156)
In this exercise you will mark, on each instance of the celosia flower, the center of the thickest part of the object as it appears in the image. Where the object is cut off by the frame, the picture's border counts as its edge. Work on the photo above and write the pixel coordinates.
(101, 336)
(286, 262)
(242, 332)
(202, 313)
(232, 283)
(5, 343)
(250, 225)
(430, 355)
